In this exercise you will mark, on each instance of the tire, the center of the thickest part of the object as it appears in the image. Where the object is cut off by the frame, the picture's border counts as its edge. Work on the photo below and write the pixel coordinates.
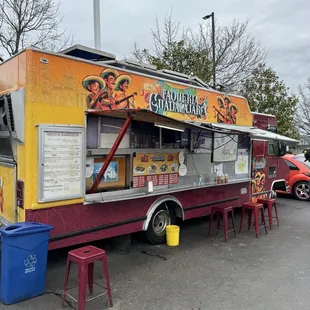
(301, 190)
(156, 231)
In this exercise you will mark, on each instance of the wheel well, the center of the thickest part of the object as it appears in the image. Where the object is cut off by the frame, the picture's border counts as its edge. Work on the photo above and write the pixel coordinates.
(279, 185)
(172, 204)
(176, 208)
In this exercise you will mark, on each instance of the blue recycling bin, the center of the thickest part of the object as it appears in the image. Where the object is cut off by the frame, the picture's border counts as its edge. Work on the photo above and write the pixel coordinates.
(24, 251)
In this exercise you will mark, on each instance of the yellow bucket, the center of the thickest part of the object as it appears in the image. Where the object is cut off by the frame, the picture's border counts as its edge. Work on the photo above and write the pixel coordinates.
(172, 233)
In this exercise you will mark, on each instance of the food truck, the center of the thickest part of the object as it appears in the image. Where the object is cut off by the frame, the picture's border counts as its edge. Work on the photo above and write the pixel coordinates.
(99, 147)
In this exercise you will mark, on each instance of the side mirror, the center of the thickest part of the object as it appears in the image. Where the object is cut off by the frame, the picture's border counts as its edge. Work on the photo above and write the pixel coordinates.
(282, 148)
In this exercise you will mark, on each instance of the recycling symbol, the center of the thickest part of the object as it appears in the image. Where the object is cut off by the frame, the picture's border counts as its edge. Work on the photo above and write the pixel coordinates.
(30, 261)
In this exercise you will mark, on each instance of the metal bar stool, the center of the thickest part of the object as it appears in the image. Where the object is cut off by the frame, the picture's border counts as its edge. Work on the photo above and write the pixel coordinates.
(85, 257)
(253, 207)
(269, 203)
(224, 211)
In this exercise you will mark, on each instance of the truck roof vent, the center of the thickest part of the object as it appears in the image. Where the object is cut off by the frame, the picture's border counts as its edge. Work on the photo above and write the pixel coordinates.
(3, 118)
(10, 114)
(88, 53)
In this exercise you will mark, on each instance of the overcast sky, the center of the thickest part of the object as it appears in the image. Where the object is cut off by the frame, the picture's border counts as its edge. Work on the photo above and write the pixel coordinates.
(281, 26)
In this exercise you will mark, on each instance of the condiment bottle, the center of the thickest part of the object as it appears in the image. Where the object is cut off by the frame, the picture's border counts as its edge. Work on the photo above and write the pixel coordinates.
(201, 180)
(226, 178)
(222, 179)
(218, 179)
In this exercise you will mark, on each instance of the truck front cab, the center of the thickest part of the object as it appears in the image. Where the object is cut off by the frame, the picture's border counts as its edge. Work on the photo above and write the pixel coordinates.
(269, 170)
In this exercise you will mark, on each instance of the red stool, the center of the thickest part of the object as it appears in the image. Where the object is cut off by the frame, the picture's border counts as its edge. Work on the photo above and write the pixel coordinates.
(85, 258)
(269, 203)
(253, 206)
(224, 211)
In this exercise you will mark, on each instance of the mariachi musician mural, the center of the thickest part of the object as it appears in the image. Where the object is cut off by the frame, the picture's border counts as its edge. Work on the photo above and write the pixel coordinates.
(226, 111)
(112, 89)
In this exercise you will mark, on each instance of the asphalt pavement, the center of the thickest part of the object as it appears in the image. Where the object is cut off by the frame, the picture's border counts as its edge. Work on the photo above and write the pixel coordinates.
(271, 272)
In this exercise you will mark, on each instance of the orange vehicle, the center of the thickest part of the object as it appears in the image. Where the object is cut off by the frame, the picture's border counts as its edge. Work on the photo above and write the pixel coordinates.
(299, 180)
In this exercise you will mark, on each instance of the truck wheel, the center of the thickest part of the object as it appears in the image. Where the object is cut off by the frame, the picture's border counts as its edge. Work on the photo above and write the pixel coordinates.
(156, 231)
(301, 190)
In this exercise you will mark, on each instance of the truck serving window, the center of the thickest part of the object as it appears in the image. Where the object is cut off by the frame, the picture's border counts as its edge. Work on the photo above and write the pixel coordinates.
(273, 148)
(144, 135)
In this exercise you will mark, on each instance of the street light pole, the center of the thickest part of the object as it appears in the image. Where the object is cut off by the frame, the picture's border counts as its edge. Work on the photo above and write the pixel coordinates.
(97, 35)
(213, 43)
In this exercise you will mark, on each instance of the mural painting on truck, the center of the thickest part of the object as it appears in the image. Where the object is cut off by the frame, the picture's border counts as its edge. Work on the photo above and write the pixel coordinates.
(110, 89)
(258, 177)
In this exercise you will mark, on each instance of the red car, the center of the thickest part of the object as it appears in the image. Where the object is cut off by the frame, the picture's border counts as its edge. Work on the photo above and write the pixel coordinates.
(299, 180)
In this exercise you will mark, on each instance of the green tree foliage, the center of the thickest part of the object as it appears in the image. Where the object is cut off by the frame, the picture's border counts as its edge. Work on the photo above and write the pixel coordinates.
(181, 57)
(266, 93)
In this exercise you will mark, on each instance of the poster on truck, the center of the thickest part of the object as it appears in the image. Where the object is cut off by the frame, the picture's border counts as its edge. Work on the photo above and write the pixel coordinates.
(161, 169)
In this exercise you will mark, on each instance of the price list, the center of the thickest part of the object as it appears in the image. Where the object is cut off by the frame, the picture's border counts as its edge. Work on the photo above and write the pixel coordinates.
(157, 179)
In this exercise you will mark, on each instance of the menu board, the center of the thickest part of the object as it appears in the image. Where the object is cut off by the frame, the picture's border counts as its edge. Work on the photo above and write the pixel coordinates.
(161, 169)
(61, 163)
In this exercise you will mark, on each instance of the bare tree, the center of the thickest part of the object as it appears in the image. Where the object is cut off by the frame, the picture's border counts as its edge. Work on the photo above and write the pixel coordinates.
(31, 22)
(303, 109)
(163, 37)
(237, 53)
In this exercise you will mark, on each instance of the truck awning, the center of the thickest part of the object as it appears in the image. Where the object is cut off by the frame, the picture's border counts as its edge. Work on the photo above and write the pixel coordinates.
(255, 133)
(148, 116)
(159, 120)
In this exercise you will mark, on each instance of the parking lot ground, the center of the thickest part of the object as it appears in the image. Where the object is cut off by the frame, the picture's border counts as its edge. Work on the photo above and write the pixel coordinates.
(271, 272)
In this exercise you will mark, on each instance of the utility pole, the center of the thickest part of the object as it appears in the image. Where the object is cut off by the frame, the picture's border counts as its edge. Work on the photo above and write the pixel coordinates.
(97, 34)
(213, 43)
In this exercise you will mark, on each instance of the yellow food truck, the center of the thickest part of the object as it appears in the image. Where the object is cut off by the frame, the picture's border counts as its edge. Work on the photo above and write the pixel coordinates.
(98, 147)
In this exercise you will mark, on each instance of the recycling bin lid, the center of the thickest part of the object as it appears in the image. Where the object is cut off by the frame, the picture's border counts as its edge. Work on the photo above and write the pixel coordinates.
(24, 228)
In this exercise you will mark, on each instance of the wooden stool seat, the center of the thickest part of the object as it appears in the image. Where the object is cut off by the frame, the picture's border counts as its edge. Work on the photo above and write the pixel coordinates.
(225, 212)
(253, 207)
(85, 257)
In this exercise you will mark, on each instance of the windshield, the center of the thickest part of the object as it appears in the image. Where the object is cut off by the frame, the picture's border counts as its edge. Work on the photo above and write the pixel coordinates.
(301, 159)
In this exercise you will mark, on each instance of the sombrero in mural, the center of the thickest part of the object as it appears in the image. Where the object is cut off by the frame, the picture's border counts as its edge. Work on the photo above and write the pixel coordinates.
(233, 106)
(220, 99)
(121, 79)
(105, 73)
(227, 98)
(93, 78)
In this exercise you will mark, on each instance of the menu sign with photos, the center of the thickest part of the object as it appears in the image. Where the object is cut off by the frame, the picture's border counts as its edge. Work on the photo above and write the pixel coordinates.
(61, 163)
(161, 169)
